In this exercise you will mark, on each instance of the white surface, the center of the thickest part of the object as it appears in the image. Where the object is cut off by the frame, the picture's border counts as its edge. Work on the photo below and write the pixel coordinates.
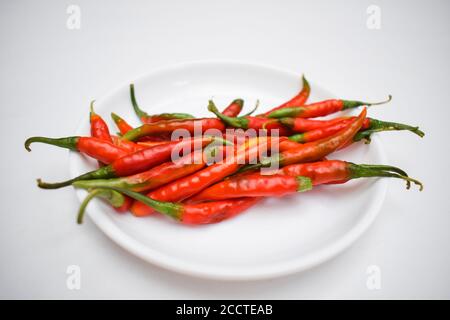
(305, 231)
(49, 75)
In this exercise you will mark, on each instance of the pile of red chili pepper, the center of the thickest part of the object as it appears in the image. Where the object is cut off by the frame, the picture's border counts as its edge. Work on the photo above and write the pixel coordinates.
(227, 163)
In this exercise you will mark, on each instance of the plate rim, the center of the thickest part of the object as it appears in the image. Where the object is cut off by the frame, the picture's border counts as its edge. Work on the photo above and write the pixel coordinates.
(154, 257)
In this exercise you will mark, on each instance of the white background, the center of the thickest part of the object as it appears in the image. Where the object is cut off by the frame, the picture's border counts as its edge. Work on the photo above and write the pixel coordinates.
(49, 74)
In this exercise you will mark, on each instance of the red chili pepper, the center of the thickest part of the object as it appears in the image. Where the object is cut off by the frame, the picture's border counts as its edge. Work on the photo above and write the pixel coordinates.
(300, 125)
(322, 108)
(254, 185)
(129, 146)
(298, 100)
(136, 162)
(153, 178)
(249, 122)
(191, 125)
(185, 187)
(121, 124)
(99, 128)
(369, 126)
(337, 171)
(234, 108)
(316, 150)
(101, 150)
(193, 214)
(146, 118)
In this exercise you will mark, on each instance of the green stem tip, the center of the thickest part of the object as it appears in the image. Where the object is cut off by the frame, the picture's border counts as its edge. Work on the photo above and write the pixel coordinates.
(305, 84)
(379, 126)
(68, 142)
(139, 112)
(115, 198)
(347, 104)
(367, 170)
(101, 173)
(91, 108)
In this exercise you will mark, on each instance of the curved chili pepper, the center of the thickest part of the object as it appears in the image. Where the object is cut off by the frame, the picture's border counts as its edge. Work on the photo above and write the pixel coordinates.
(194, 214)
(337, 171)
(300, 125)
(334, 125)
(313, 151)
(121, 124)
(153, 178)
(191, 125)
(298, 100)
(249, 122)
(185, 187)
(146, 118)
(136, 162)
(322, 108)
(99, 128)
(234, 108)
(101, 150)
(255, 185)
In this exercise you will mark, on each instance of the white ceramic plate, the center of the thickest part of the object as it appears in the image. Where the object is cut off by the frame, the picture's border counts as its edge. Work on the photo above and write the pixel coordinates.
(277, 237)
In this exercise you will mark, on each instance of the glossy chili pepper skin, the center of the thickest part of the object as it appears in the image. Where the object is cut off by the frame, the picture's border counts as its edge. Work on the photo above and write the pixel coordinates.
(146, 118)
(249, 122)
(214, 212)
(299, 100)
(192, 126)
(186, 187)
(99, 128)
(301, 125)
(254, 185)
(320, 109)
(337, 171)
(323, 132)
(153, 178)
(121, 124)
(127, 145)
(193, 214)
(316, 150)
(136, 162)
(234, 108)
(96, 148)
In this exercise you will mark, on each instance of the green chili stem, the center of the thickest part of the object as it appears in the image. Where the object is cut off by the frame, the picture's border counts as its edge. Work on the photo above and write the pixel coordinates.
(68, 142)
(169, 209)
(139, 112)
(102, 173)
(347, 104)
(365, 171)
(236, 122)
(113, 197)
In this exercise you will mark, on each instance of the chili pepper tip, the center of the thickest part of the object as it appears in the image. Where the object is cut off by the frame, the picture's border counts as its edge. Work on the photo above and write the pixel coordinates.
(91, 107)
(378, 103)
(139, 112)
(305, 83)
